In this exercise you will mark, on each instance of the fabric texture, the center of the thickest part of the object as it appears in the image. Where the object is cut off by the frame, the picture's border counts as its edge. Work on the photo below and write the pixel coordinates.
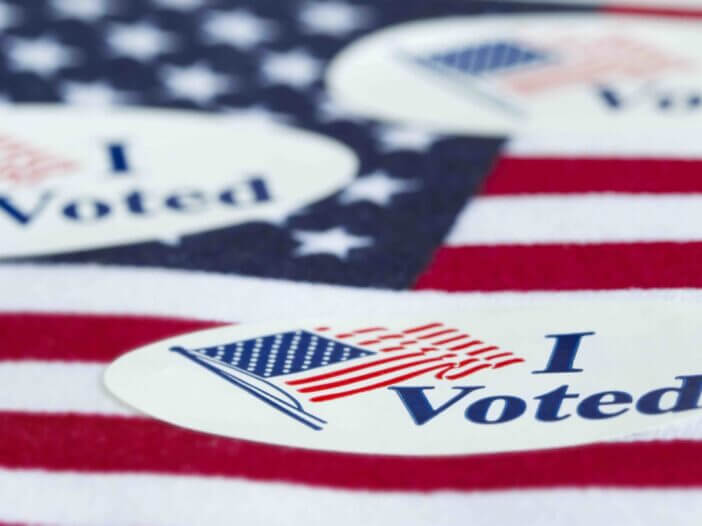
(478, 221)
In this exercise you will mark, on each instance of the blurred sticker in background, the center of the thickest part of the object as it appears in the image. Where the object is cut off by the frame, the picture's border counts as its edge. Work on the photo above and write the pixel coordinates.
(528, 73)
(72, 180)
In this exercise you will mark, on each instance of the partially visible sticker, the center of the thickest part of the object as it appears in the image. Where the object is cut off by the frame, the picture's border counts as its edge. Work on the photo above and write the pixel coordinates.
(484, 380)
(71, 180)
(527, 73)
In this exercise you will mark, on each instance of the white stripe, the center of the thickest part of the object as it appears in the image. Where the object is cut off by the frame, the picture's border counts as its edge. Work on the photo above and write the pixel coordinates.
(643, 144)
(358, 384)
(56, 387)
(200, 295)
(585, 218)
(116, 499)
(78, 388)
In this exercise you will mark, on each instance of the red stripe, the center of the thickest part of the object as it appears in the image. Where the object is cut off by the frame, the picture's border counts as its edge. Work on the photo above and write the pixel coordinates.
(92, 338)
(564, 267)
(378, 385)
(523, 175)
(675, 12)
(366, 376)
(434, 334)
(370, 329)
(454, 339)
(422, 328)
(499, 355)
(465, 345)
(347, 370)
(507, 362)
(467, 372)
(484, 350)
(114, 444)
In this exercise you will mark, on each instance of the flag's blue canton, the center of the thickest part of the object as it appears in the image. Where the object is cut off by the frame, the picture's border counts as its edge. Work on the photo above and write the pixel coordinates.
(490, 57)
(262, 60)
(282, 353)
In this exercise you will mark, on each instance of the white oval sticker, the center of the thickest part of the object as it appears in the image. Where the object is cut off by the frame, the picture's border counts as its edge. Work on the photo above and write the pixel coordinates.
(501, 74)
(483, 381)
(71, 180)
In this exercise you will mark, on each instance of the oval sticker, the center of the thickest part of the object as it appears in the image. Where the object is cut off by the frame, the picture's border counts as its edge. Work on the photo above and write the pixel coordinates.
(72, 180)
(501, 74)
(485, 380)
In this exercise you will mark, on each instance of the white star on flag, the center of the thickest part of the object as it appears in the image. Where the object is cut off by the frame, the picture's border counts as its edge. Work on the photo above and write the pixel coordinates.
(397, 137)
(238, 28)
(335, 241)
(87, 10)
(91, 94)
(141, 42)
(197, 82)
(333, 18)
(296, 68)
(377, 187)
(43, 56)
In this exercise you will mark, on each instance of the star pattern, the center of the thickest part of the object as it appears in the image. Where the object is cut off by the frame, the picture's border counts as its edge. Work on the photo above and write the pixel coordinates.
(334, 18)
(377, 188)
(398, 137)
(296, 68)
(196, 82)
(238, 28)
(43, 56)
(335, 241)
(139, 41)
(257, 63)
(91, 94)
(86, 10)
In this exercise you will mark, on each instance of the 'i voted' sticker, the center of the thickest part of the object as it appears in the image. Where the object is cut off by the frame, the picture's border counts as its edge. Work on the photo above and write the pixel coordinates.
(72, 180)
(483, 380)
(528, 73)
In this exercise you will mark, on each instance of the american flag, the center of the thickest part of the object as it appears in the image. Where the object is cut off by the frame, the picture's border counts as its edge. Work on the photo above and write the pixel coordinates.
(529, 68)
(387, 357)
(24, 163)
(555, 218)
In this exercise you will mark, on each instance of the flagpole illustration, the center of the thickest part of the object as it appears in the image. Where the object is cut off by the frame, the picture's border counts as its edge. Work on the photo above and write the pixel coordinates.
(470, 88)
(287, 405)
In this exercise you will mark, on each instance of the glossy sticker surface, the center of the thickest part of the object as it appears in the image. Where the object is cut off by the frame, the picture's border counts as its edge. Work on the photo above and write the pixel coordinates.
(73, 181)
(485, 380)
(528, 73)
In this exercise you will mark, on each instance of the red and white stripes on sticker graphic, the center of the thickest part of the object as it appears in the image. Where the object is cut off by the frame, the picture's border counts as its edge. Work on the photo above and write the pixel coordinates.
(23, 163)
(431, 348)
(588, 60)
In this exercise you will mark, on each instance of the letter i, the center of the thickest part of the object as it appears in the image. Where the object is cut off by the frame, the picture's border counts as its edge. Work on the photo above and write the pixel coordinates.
(117, 157)
(563, 354)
